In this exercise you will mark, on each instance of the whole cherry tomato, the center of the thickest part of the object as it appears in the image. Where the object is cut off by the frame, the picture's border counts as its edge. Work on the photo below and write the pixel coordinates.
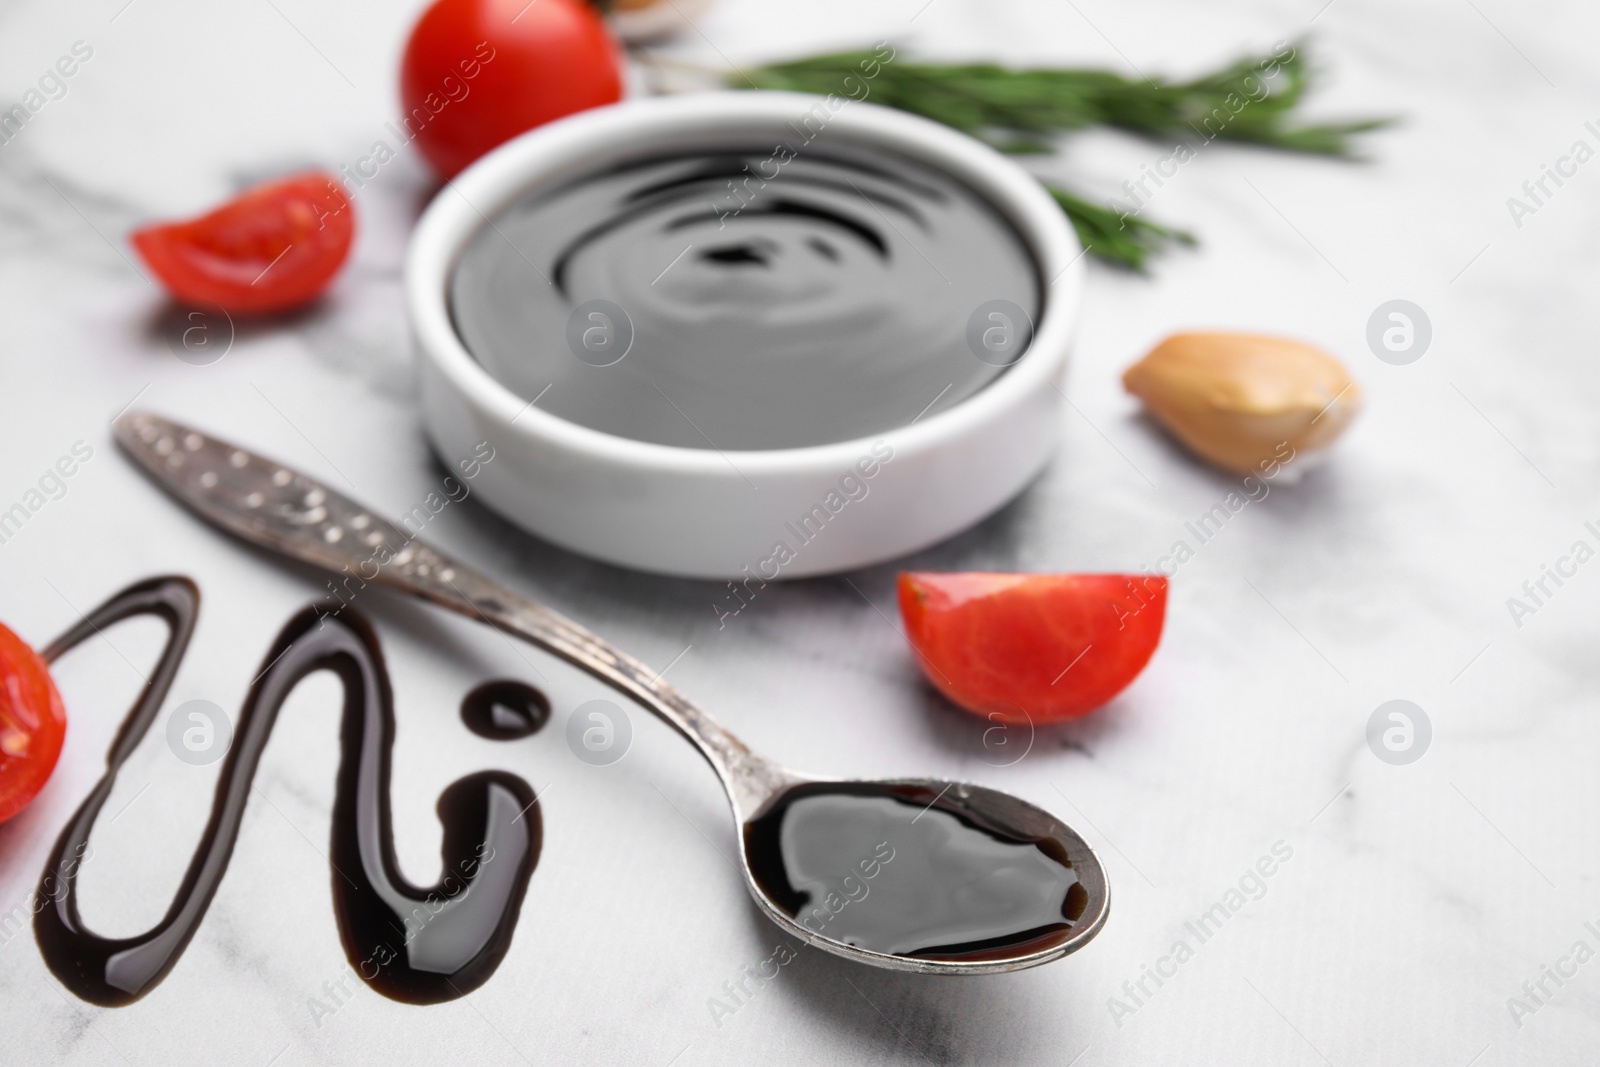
(33, 723)
(478, 72)
(1032, 647)
(274, 247)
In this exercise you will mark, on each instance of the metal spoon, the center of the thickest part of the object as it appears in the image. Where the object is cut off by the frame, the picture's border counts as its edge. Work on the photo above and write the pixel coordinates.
(275, 507)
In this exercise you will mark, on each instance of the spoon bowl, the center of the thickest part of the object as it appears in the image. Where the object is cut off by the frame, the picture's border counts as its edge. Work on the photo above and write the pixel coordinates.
(911, 874)
(1027, 888)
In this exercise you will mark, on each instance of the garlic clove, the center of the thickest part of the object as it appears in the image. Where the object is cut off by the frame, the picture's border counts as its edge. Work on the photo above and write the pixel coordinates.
(1245, 402)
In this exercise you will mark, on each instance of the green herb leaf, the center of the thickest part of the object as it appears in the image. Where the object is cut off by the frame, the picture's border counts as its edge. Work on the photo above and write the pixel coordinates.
(1123, 239)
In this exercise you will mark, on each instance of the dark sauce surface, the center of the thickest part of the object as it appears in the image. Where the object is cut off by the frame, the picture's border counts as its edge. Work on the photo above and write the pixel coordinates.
(505, 710)
(771, 296)
(896, 868)
(416, 944)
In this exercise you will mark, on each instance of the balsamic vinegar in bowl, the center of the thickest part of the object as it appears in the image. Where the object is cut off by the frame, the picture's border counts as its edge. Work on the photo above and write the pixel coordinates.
(827, 303)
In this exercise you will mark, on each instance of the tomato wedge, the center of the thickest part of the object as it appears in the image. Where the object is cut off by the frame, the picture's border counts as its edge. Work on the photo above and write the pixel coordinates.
(33, 723)
(1032, 647)
(273, 248)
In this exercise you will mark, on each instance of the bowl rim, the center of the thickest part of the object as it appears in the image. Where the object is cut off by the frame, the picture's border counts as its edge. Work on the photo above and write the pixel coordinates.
(466, 204)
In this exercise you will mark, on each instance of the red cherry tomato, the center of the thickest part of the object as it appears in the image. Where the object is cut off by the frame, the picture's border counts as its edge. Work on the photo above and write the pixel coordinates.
(478, 72)
(1032, 647)
(33, 724)
(273, 248)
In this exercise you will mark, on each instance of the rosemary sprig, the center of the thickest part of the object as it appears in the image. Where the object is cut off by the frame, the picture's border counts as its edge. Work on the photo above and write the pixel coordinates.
(1251, 100)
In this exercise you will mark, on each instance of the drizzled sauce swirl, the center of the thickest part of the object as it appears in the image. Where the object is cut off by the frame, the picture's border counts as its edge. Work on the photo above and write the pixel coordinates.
(417, 944)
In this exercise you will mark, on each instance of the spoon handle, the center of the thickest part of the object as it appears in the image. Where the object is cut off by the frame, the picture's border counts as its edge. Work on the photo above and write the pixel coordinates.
(282, 509)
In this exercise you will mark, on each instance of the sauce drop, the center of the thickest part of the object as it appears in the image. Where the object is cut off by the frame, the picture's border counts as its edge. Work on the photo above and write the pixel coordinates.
(505, 710)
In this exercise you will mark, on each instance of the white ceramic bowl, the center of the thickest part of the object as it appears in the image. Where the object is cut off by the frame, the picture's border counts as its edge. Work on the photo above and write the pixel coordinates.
(707, 514)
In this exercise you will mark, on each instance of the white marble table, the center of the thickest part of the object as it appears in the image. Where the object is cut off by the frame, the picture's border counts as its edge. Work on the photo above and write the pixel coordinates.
(1407, 905)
